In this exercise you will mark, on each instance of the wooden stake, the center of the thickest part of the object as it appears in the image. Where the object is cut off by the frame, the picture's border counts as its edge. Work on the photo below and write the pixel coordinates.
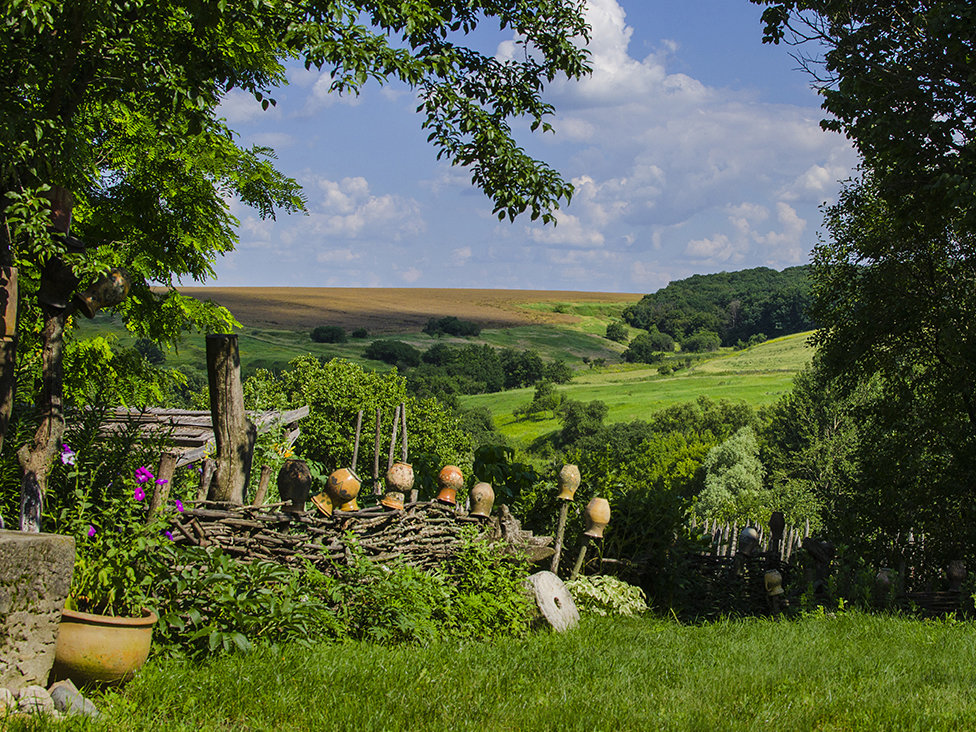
(560, 533)
(396, 424)
(580, 558)
(377, 488)
(206, 476)
(403, 418)
(355, 449)
(164, 481)
(262, 486)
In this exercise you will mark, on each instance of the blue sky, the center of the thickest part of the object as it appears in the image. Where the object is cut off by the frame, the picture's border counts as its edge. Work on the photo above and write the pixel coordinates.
(693, 147)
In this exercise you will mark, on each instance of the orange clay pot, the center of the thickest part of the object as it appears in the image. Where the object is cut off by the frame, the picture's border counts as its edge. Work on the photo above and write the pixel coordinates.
(101, 648)
(450, 479)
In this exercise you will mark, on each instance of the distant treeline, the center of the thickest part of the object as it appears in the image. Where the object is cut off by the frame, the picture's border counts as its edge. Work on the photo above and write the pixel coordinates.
(735, 305)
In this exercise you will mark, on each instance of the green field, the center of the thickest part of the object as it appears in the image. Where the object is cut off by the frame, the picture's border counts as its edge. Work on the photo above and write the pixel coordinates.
(757, 375)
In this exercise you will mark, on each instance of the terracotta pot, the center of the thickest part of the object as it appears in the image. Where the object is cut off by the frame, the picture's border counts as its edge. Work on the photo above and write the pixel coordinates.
(399, 480)
(101, 648)
(343, 487)
(569, 481)
(482, 498)
(774, 582)
(108, 290)
(323, 503)
(450, 479)
(597, 515)
(294, 484)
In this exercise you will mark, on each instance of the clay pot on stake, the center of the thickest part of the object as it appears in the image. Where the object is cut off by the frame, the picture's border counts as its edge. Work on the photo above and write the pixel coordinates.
(294, 484)
(343, 487)
(482, 498)
(399, 480)
(450, 479)
(568, 482)
(597, 516)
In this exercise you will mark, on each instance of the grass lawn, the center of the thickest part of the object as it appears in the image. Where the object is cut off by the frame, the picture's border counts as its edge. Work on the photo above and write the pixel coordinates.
(848, 672)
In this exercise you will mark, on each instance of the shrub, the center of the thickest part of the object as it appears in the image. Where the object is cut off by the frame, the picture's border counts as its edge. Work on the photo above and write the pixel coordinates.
(558, 372)
(395, 353)
(604, 595)
(150, 351)
(617, 332)
(328, 334)
(360, 333)
(451, 325)
(701, 341)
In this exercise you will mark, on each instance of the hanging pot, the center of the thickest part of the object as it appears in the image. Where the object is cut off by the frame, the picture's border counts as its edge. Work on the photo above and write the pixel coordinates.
(399, 480)
(343, 487)
(482, 498)
(108, 290)
(597, 516)
(569, 481)
(450, 479)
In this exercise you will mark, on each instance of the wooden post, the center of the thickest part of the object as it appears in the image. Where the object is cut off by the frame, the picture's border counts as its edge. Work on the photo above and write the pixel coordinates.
(777, 523)
(403, 419)
(206, 476)
(234, 434)
(396, 424)
(355, 449)
(377, 489)
(164, 481)
(560, 533)
(8, 345)
(580, 558)
(262, 486)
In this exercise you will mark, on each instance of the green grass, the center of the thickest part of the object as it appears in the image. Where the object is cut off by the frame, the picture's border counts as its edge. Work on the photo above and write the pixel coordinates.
(849, 672)
(758, 376)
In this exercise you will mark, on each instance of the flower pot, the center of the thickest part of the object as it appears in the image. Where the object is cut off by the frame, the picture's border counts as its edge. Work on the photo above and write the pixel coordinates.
(482, 498)
(449, 479)
(597, 517)
(399, 481)
(101, 648)
(569, 481)
(343, 487)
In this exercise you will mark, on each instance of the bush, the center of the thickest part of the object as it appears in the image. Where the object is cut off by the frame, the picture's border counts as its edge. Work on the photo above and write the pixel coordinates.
(150, 351)
(328, 334)
(360, 333)
(451, 325)
(646, 349)
(605, 595)
(701, 341)
(617, 332)
(395, 353)
(558, 372)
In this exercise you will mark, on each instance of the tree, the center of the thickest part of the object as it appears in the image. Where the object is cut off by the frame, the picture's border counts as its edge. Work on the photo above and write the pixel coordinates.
(734, 480)
(328, 334)
(617, 332)
(700, 341)
(645, 348)
(109, 113)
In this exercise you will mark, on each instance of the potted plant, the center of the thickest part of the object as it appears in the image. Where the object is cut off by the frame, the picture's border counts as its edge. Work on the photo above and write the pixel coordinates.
(106, 628)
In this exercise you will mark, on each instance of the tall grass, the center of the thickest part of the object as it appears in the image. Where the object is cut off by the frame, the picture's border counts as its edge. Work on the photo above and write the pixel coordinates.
(852, 671)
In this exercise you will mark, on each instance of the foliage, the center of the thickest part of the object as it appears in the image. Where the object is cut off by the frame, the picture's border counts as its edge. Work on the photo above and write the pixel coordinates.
(336, 391)
(209, 603)
(521, 367)
(700, 341)
(396, 353)
(114, 543)
(734, 481)
(359, 333)
(617, 332)
(496, 464)
(451, 325)
(648, 348)
(602, 594)
(736, 305)
(580, 419)
(546, 399)
(328, 334)
(150, 351)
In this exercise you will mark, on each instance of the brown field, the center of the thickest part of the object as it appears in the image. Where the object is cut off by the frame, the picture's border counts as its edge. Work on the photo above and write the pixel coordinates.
(392, 310)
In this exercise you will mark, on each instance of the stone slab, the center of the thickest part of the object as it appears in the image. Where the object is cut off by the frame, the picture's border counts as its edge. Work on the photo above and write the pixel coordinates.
(35, 574)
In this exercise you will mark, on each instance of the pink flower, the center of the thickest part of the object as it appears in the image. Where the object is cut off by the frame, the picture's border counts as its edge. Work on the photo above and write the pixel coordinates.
(179, 505)
(161, 481)
(91, 531)
(143, 475)
(68, 456)
(139, 494)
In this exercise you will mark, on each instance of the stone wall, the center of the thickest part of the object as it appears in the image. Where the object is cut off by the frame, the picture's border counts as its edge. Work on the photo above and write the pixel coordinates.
(35, 574)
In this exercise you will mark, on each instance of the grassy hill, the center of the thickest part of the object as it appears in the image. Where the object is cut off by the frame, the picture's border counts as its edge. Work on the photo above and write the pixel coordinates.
(757, 375)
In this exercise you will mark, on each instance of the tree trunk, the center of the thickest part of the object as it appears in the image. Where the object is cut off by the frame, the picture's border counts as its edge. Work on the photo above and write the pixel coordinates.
(8, 345)
(233, 432)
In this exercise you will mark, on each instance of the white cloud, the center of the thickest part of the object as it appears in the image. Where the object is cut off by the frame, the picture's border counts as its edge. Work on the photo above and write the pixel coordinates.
(411, 275)
(239, 106)
(460, 256)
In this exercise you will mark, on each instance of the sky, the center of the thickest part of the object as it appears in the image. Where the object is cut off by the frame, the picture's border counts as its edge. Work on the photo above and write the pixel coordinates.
(693, 147)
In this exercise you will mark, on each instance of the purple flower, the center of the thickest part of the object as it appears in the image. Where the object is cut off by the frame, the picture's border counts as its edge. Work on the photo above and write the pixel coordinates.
(161, 481)
(91, 531)
(143, 475)
(139, 494)
(169, 535)
(179, 505)
(68, 456)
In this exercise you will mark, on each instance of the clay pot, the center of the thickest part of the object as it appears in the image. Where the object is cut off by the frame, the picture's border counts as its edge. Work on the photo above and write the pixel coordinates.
(101, 648)
(343, 487)
(108, 290)
(569, 481)
(323, 503)
(399, 480)
(774, 582)
(450, 479)
(597, 516)
(748, 541)
(482, 498)
(294, 484)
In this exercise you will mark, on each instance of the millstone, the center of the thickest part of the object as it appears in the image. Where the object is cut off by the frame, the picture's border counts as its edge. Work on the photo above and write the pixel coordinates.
(553, 600)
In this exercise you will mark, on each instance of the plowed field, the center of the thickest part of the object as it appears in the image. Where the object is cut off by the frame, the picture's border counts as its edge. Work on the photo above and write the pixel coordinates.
(393, 310)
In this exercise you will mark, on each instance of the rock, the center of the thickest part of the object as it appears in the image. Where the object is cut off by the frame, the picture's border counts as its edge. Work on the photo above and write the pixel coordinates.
(35, 700)
(553, 601)
(35, 574)
(8, 702)
(69, 700)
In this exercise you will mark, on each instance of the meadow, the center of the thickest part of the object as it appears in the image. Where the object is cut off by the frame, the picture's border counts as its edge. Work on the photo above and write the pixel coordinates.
(843, 671)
